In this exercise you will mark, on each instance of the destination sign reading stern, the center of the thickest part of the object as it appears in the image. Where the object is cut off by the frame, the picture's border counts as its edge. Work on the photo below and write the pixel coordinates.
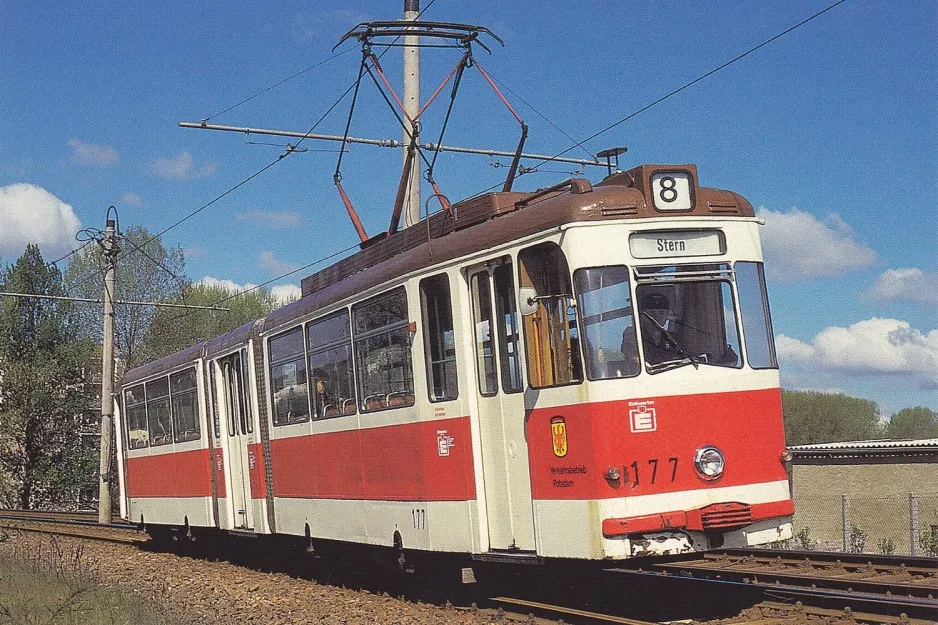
(669, 243)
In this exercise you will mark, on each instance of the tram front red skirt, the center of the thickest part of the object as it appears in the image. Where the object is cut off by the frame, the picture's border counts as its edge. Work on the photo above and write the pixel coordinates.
(718, 517)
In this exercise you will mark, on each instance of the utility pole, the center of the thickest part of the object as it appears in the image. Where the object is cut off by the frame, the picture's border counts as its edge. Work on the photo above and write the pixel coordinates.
(109, 245)
(412, 106)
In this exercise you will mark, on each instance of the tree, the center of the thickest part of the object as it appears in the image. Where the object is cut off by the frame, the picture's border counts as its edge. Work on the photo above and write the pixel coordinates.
(812, 417)
(175, 329)
(43, 405)
(146, 272)
(912, 423)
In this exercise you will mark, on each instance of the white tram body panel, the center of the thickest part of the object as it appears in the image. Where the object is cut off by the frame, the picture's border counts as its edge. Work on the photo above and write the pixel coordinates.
(591, 376)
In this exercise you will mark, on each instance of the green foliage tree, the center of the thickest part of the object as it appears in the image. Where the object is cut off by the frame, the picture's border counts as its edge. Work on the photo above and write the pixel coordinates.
(173, 329)
(43, 405)
(146, 272)
(912, 423)
(812, 417)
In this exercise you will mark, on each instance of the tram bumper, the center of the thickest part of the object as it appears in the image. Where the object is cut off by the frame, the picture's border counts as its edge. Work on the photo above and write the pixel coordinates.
(730, 524)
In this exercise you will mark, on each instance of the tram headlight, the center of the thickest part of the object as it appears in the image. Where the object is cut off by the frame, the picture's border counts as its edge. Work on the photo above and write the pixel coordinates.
(709, 462)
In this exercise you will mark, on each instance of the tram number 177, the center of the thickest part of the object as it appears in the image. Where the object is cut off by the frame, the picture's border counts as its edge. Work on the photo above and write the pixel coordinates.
(652, 468)
(419, 516)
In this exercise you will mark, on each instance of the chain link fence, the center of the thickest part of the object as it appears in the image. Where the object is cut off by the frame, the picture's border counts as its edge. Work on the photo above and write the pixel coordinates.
(894, 524)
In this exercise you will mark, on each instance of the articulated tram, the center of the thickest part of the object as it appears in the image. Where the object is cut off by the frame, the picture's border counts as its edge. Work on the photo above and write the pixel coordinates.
(584, 372)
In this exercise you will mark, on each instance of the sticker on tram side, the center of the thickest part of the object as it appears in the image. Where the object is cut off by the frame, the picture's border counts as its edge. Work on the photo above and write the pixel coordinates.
(642, 416)
(558, 430)
(444, 442)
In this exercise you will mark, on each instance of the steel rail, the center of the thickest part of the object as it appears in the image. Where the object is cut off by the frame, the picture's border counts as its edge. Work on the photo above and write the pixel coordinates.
(928, 562)
(814, 578)
(819, 597)
(61, 517)
(924, 566)
(580, 614)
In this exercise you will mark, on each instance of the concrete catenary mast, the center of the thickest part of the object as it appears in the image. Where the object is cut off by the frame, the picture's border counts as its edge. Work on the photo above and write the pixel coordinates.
(412, 106)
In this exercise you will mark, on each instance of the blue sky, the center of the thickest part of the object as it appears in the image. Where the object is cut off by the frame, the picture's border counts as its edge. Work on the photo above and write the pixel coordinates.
(829, 131)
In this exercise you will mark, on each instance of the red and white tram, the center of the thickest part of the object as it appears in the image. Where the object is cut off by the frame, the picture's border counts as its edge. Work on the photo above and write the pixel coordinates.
(584, 372)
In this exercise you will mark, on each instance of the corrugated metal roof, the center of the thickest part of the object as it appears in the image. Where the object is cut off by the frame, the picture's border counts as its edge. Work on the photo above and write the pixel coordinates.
(873, 446)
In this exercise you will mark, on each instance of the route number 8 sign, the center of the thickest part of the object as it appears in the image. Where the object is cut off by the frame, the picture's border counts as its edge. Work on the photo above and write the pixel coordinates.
(672, 191)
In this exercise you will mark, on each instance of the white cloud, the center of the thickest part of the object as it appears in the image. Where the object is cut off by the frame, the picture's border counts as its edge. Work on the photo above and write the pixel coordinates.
(182, 167)
(873, 346)
(30, 214)
(788, 348)
(798, 245)
(273, 265)
(132, 198)
(909, 285)
(92, 154)
(283, 294)
(228, 285)
(272, 219)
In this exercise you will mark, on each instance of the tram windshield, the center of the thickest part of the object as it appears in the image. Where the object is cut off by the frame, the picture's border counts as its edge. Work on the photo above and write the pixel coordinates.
(686, 316)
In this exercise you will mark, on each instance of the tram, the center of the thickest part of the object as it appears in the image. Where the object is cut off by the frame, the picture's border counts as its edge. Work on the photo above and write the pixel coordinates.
(585, 372)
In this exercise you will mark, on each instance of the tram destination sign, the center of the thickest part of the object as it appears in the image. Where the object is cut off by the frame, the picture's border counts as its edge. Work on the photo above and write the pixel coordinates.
(667, 243)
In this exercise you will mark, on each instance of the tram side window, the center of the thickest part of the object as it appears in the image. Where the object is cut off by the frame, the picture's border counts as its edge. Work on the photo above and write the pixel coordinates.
(439, 338)
(330, 366)
(604, 301)
(214, 400)
(185, 405)
(508, 323)
(158, 412)
(481, 285)
(246, 410)
(382, 345)
(550, 328)
(288, 378)
(135, 412)
(757, 320)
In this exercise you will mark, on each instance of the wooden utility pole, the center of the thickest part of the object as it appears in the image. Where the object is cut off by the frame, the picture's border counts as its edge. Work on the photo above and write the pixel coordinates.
(109, 245)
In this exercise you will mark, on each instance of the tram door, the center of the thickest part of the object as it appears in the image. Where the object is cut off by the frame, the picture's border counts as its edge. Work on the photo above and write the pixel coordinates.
(240, 437)
(500, 387)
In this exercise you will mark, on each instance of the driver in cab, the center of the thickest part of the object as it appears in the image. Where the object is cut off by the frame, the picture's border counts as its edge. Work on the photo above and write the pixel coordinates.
(657, 343)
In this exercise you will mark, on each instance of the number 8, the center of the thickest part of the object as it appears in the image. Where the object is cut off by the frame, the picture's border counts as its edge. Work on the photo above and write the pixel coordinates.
(668, 191)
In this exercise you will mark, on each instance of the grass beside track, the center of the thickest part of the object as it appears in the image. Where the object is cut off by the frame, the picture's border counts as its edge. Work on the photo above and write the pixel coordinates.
(59, 586)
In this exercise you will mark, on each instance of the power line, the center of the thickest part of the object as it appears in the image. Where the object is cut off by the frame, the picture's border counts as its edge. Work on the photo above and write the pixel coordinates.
(274, 86)
(539, 114)
(92, 300)
(280, 277)
(290, 150)
(73, 252)
(687, 85)
(297, 74)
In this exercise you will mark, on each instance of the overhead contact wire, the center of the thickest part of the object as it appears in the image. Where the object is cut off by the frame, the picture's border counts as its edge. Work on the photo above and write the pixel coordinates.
(698, 79)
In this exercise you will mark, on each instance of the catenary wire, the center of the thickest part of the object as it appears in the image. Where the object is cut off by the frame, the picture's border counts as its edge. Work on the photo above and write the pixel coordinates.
(297, 74)
(271, 281)
(683, 87)
(539, 114)
(252, 176)
(274, 86)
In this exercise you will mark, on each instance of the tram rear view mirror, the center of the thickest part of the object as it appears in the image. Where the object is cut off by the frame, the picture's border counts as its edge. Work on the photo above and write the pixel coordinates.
(527, 300)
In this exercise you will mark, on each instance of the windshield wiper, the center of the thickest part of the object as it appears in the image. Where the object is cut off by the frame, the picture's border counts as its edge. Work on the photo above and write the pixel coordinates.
(667, 365)
(667, 334)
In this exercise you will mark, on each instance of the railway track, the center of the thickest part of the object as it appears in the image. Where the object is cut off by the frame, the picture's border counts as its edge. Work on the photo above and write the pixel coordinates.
(795, 586)
(883, 585)
(73, 524)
